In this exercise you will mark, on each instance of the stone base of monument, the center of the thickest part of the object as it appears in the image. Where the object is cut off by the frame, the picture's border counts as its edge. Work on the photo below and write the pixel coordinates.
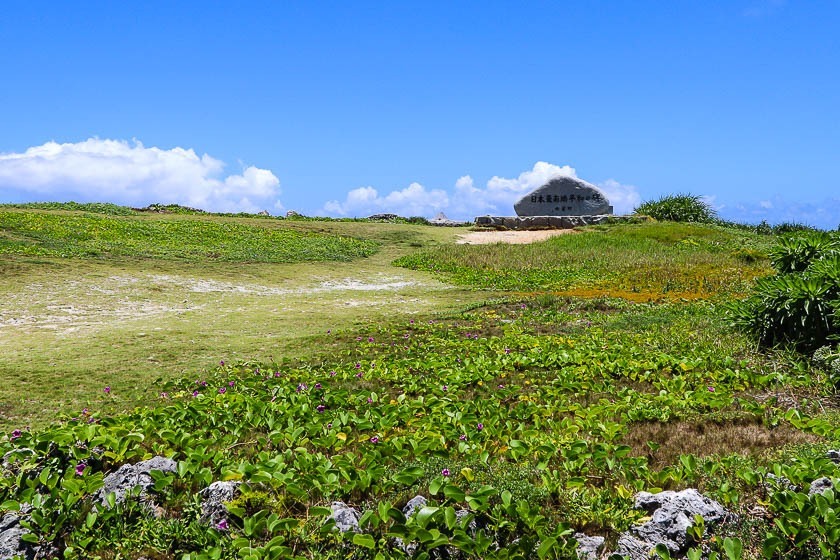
(549, 222)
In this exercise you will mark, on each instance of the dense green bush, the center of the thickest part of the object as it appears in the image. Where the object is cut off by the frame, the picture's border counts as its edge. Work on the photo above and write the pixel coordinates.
(794, 253)
(678, 208)
(799, 305)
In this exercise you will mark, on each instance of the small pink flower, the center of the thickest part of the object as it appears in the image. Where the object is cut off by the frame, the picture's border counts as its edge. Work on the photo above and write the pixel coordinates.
(445, 472)
(479, 427)
(222, 525)
(318, 385)
(370, 339)
(276, 374)
(164, 395)
(358, 365)
(463, 437)
(370, 400)
(320, 408)
(445, 388)
(15, 434)
(222, 362)
(711, 389)
(222, 390)
(329, 331)
(195, 394)
(231, 383)
(107, 390)
(507, 350)
(374, 439)
(80, 469)
(359, 375)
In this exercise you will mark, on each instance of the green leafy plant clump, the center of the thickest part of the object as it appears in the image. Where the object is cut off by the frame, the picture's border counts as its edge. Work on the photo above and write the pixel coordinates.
(526, 417)
(800, 304)
(678, 208)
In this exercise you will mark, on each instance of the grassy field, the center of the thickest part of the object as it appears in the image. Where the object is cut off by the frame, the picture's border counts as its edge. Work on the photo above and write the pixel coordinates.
(134, 301)
(509, 381)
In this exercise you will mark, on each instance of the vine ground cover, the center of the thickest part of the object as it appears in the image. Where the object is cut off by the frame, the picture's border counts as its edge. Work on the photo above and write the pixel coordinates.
(538, 416)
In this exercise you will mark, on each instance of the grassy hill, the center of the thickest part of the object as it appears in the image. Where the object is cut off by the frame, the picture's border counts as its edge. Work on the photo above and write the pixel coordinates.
(538, 387)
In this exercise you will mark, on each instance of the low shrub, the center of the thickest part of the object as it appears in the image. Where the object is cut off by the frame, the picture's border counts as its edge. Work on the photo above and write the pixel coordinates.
(799, 305)
(678, 208)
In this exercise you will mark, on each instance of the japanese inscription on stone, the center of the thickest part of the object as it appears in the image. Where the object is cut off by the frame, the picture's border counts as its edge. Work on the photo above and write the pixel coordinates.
(564, 196)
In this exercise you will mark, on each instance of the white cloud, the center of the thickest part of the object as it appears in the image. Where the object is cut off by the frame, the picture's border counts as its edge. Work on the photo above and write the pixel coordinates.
(466, 200)
(624, 198)
(117, 171)
(414, 200)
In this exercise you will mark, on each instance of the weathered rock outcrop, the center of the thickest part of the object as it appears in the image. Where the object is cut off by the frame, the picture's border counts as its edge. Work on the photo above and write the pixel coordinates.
(672, 513)
(214, 498)
(128, 477)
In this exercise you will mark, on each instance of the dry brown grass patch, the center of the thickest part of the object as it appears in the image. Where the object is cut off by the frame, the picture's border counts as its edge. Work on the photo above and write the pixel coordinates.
(704, 438)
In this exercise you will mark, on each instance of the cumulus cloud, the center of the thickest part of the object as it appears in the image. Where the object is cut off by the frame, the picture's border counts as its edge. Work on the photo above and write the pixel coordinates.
(414, 200)
(465, 199)
(117, 171)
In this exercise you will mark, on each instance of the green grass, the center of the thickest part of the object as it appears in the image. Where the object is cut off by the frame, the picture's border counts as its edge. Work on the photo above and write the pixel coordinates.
(90, 235)
(542, 414)
(640, 261)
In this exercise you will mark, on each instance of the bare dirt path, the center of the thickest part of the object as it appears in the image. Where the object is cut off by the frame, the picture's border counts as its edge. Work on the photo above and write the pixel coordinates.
(515, 237)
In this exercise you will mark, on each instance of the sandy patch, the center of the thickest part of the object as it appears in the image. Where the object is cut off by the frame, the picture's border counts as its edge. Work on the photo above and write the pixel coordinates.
(515, 237)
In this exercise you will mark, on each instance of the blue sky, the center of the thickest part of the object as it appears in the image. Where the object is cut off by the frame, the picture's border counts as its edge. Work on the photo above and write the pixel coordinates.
(351, 108)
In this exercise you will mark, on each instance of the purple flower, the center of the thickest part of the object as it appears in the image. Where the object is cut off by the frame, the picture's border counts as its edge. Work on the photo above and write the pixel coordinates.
(507, 350)
(276, 374)
(358, 339)
(479, 427)
(231, 383)
(445, 388)
(501, 385)
(222, 525)
(370, 400)
(164, 395)
(320, 408)
(15, 434)
(406, 335)
(221, 362)
(222, 390)
(204, 384)
(80, 469)
(711, 389)
(374, 439)
(359, 375)
(318, 385)
(329, 425)
(107, 390)
(445, 472)
(463, 437)
(195, 394)
(411, 322)
(523, 306)
(329, 331)
(301, 387)
(358, 365)
(370, 339)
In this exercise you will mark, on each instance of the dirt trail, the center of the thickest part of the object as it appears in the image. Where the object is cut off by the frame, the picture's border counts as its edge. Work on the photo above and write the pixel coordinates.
(515, 237)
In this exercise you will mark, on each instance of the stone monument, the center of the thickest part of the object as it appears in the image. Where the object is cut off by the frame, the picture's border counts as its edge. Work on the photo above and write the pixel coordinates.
(564, 196)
